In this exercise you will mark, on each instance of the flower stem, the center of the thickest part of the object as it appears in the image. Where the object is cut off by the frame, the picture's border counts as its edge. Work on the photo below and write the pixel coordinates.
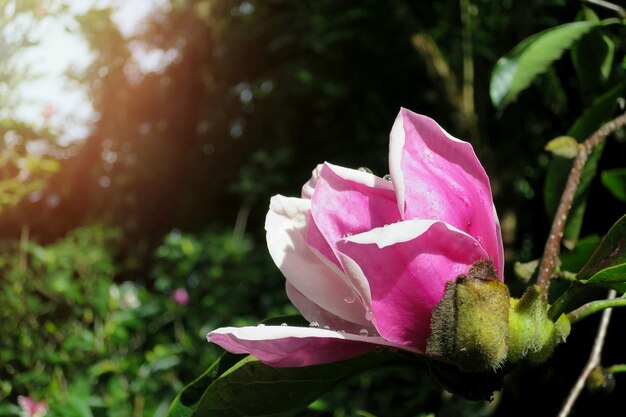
(594, 360)
(571, 299)
(593, 307)
(616, 369)
(553, 244)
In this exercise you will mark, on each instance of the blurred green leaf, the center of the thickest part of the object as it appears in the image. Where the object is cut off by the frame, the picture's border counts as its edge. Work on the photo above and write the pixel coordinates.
(608, 264)
(516, 70)
(615, 181)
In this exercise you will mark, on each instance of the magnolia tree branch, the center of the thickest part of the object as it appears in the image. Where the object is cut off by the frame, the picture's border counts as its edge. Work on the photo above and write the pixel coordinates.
(553, 245)
(592, 363)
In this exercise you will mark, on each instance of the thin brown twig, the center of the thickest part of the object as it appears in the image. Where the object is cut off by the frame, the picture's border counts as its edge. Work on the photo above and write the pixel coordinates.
(611, 6)
(592, 363)
(553, 244)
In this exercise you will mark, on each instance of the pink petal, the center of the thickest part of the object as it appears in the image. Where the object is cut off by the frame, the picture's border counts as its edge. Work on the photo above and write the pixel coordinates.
(407, 265)
(286, 346)
(26, 403)
(346, 202)
(315, 314)
(286, 240)
(437, 176)
(309, 187)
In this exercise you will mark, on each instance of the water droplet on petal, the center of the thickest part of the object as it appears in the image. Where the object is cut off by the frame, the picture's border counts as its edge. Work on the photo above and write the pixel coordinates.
(363, 332)
(369, 315)
(327, 328)
(347, 235)
(260, 325)
(284, 324)
(387, 177)
(314, 324)
(342, 331)
(350, 298)
(365, 169)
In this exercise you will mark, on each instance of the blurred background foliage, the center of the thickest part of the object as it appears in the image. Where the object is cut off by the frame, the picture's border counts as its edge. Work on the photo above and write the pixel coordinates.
(170, 187)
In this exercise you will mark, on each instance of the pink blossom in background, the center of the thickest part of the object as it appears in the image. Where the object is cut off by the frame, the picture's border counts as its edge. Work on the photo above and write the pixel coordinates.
(32, 408)
(180, 296)
(366, 259)
(48, 111)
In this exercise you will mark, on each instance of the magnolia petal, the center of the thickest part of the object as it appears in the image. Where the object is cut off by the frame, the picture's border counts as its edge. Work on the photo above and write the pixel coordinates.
(407, 265)
(309, 187)
(287, 346)
(437, 176)
(346, 202)
(286, 224)
(315, 314)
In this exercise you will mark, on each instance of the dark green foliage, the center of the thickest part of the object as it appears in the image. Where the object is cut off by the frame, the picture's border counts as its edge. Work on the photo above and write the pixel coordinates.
(258, 94)
(607, 266)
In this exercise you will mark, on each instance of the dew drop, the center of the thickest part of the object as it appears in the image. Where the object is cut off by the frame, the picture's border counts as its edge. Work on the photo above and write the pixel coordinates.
(387, 177)
(314, 324)
(342, 331)
(284, 324)
(350, 298)
(363, 332)
(326, 327)
(369, 315)
(346, 235)
(365, 169)
(260, 325)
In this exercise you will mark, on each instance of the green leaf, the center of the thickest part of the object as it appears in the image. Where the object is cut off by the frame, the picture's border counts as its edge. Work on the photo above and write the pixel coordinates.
(251, 388)
(516, 70)
(186, 402)
(573, 260)
(184, 405)
(608, 264)
(563, 146)
(593, 58)
(615, 181)
(558, 170)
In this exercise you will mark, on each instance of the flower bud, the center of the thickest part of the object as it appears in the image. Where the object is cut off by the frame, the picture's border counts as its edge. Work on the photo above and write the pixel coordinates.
(532, 334)
(470, 325)
(478, 327)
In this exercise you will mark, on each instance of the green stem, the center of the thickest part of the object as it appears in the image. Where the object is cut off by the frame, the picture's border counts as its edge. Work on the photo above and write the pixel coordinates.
(566, 276)
(593, 307)
(568, 301)
(616, 369)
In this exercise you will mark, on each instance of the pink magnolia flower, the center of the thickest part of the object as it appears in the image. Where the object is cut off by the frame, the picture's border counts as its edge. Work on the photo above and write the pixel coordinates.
(32, 408)
(366, 259)
(180, 296)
